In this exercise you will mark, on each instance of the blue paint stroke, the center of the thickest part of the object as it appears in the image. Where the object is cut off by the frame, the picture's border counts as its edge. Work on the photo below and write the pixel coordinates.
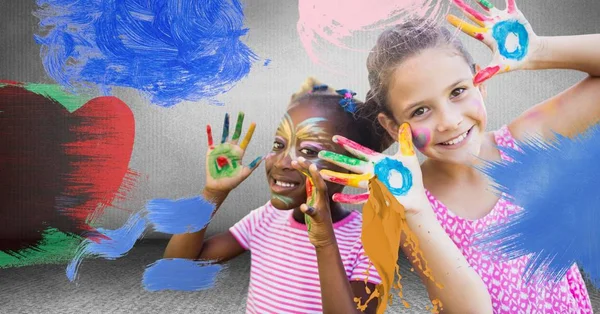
(171, 50)
(557, 185)
(384, 170)
(501, 31)
(179, 216)
(267, 62)
(114, 244)
(180, 274)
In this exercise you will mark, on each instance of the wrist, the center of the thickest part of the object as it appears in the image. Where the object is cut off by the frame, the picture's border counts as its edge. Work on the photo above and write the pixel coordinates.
(539, 56)
(214, 196)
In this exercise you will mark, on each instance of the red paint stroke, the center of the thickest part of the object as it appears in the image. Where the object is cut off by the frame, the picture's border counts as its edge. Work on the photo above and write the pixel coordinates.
(222, 161)
(465, 7)
(485, 74)
(209, 135)
(350, 198)
(309, 189)
(479, 36)
(353, 145)
(59, 169)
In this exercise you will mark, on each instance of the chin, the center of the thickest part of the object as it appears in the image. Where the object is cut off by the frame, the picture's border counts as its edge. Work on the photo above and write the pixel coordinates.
(282, 202)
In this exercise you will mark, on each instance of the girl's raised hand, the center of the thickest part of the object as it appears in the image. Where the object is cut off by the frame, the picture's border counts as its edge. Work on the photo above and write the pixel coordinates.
(316, 209)
(400, 173)
(225, 170)
(506, 32)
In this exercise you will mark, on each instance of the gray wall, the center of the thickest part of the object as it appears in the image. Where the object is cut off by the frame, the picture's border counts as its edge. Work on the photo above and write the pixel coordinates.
(170, 143)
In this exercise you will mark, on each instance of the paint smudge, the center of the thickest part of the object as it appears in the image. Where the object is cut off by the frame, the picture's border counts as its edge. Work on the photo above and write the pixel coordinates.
(63, 160)
(282, 198)
(330, 24)
(384, 222)
(512, 38)
(114, 244)
(394, 175)
(421, 138)
(556, 184)
(169, 50)
(180, 275)
(55, 247)
(224, 161)
(179, 216)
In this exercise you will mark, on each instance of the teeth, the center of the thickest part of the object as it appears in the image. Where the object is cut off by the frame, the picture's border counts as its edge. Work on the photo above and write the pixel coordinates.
(457, 140)
(285, 184)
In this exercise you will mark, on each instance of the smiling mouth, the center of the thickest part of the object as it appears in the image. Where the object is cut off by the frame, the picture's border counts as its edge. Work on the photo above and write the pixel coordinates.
(457, 140)
(281, 186)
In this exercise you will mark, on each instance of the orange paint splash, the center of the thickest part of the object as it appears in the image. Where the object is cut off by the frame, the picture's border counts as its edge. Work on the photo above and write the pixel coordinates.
(384, 223)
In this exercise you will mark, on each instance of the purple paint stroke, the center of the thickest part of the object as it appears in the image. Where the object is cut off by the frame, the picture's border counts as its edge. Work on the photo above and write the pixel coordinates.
(179, 216)
(556, 184)
(180, 274)
(115, 244)
(171, 50)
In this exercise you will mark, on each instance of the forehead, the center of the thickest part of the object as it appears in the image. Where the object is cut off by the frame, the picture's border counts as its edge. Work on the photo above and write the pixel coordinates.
(309, 114)
(427, 74)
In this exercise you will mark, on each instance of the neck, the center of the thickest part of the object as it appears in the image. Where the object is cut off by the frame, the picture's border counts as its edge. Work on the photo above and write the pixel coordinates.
(337, 213)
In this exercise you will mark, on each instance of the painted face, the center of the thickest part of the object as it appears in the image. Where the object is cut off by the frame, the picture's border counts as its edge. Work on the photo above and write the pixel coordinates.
(304, 131)
(434, 92)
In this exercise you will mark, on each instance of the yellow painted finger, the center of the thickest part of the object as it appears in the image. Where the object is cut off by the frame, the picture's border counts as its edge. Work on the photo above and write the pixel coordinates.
(348, 179)
(248, 136)
(405, 140)
(466, 27)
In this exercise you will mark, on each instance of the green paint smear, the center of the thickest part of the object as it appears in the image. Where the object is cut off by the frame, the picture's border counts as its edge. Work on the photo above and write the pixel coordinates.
(56, 247)
(486, 3)
(340, 158)
(286, 200)
(238, 126)
(69, 101)
(227, 170)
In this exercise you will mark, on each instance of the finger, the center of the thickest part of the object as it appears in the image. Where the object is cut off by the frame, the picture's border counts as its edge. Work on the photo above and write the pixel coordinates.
(225, 129)
(352, 164)
(209, 136)
(238, 128)
(248, 136)
(317, 180)
(348, 179)
(511, 6)
(471, 13)
(486, 74)
(256, 162)
(405, 140)
(350, 198)
(311, 194)
(308, 210)
(355, 148)
(485, 4)
(469, 29)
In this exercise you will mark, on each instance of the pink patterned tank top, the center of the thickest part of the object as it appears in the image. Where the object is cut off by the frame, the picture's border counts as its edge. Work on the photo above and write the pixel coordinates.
(510, 293)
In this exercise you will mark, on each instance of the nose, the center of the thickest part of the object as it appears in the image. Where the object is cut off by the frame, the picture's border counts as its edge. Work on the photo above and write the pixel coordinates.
(450, 118)
(283, 161)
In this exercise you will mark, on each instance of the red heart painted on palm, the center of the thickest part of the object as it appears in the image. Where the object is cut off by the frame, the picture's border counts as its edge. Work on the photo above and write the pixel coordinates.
(59, 169)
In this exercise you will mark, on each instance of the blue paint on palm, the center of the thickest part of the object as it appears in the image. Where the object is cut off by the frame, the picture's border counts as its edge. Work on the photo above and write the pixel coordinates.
(503, 30)
(556, 184)
(388, 167)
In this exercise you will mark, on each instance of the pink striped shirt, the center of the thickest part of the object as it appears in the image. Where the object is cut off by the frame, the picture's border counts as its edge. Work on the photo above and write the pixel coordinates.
(284, 277)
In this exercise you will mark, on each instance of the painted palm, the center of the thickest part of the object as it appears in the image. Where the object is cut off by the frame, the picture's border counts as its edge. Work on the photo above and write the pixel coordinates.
(506, 32)
(400, 173)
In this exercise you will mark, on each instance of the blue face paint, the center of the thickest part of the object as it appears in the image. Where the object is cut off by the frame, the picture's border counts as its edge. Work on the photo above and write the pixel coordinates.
(384, 171)
(502, 30)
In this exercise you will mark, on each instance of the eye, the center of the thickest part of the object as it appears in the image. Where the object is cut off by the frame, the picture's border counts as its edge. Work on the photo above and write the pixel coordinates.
(309, 151)
(420, 111)
(277, 145)
(457, 92)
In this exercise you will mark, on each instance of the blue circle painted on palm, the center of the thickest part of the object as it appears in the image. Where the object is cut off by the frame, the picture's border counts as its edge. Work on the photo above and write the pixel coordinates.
(502, 30)
(384, 170)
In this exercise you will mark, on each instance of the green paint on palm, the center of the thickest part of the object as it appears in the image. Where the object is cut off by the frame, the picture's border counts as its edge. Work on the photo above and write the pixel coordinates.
(224, 162)
(340, 158)
(486, 4)
(56, 247)
(238, 126)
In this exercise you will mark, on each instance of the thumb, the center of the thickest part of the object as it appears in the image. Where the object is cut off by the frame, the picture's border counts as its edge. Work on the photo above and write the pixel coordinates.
(247, 170)
(487, 73)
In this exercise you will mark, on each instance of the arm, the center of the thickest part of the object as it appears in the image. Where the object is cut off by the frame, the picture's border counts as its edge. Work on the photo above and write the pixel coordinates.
(574, 110)
(224, 172)
(337, 292)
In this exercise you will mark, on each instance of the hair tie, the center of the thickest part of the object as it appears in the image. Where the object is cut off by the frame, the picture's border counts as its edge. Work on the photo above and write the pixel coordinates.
(319, 88)
(348, 101)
